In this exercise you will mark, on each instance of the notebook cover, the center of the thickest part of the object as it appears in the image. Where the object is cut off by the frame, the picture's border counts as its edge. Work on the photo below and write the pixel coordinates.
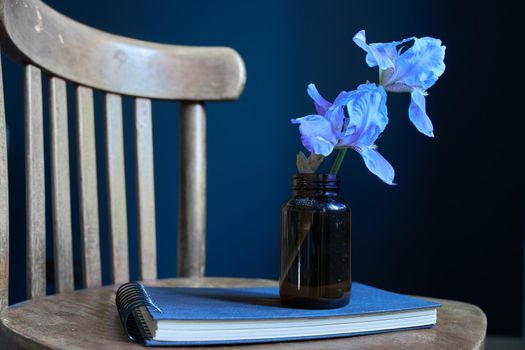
(263, 303)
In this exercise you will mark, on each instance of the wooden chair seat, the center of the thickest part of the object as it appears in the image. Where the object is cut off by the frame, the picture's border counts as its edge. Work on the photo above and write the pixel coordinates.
(88, 319)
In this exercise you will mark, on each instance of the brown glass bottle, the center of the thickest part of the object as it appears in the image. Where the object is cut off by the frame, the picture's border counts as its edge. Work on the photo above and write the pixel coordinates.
(315, 244)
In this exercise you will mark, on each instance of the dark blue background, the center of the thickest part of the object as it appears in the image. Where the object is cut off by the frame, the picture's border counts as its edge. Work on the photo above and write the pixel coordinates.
(452, 228)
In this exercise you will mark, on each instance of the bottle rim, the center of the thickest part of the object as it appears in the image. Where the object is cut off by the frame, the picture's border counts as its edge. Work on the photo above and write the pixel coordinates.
(315, 181)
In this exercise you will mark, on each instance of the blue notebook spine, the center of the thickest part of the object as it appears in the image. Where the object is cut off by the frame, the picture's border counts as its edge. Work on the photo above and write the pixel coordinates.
(132, 299)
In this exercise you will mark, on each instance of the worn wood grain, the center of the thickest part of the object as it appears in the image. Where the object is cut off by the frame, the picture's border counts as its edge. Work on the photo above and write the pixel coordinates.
(88, 188)
(31, 30)
(146, 222)
(116, 188)
(35, 184)
(4, 202)
(191, 255)
(60, 188)
(88, 319)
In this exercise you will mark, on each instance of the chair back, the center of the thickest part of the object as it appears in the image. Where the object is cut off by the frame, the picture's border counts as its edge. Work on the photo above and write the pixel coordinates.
(67, 52)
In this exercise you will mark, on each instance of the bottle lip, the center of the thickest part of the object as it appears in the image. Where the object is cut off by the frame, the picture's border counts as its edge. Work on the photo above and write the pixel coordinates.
(315, 181)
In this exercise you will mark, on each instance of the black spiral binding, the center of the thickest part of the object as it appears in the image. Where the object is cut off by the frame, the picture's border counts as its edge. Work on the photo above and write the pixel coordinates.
(130, 297)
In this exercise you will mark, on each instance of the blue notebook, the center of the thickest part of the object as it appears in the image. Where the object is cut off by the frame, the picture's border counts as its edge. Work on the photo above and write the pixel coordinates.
(158, 316)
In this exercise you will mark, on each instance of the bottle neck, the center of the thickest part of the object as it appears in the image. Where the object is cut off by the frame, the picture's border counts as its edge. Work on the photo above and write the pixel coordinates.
(315, 184)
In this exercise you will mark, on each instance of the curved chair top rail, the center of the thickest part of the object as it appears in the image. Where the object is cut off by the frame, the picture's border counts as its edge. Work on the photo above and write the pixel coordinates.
(31, 31)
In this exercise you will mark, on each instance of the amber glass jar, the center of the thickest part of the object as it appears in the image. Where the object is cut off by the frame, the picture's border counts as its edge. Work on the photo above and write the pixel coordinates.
(315, 244)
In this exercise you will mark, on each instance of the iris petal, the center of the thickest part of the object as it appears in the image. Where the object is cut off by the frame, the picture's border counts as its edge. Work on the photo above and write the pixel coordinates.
(377, 164)
(336, 116)
(383, 55)
(418, 115)
(342, 97)
(317, 134)
(321, 105)
(377, 54)
(367, 115)
(420, 66)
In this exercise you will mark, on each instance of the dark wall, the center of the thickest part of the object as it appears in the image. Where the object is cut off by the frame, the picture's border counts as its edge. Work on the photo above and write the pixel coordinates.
(452, 228)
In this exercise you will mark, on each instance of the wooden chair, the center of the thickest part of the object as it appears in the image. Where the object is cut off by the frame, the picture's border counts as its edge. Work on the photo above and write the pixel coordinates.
(46, 42)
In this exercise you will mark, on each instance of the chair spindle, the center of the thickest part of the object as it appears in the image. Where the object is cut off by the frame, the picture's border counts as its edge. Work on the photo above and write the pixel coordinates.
(116, 189)
(88, 188)
(147, 247)
(192, 202)
(35, 183)
(60, 187)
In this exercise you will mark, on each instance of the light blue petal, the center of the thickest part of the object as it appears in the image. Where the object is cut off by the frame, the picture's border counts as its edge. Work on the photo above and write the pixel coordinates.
(341, 98)
(418, 115)
(317, 134)
(321, 105)
(336, 116)
(379, 54)
(383, 55)
(368, 115)
(377, 165)
(418, 67)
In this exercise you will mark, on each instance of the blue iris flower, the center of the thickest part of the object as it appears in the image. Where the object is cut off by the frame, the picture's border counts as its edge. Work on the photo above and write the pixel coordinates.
(413, 70)
(355, 120)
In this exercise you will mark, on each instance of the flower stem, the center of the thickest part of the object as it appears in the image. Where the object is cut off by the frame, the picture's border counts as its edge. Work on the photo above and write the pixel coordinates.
(304, 229)
(338, 161)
